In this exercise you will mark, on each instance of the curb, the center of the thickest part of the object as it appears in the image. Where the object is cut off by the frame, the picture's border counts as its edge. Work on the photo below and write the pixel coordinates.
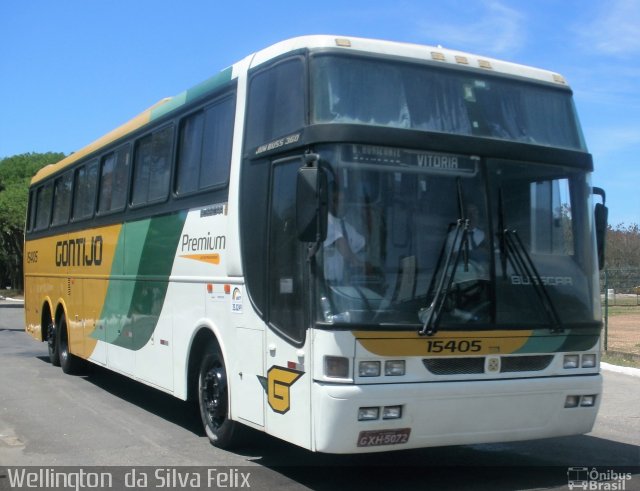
(11, 299)
(634, 372)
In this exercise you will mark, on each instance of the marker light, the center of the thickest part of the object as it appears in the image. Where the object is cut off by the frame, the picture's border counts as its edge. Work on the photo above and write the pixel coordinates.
(394, 368)
(589, 361)
(572, 401)
(368, 413)
(336, 367)
(392, 412)
(571, 361)
(369, 369)
(588, 401)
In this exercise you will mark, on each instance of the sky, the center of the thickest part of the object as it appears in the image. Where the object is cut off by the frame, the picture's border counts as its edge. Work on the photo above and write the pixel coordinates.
(72, 70)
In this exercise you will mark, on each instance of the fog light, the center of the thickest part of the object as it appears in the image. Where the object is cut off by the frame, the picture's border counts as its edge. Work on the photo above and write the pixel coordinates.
(572, 401)
(588, 401)
(369, 369)
(392, 412)
(336, 367)
(588, 361)
(571, 361)
(368, 413)
(394, 368)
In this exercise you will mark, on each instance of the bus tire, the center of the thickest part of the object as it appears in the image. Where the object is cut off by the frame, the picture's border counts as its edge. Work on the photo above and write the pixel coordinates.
(213, 400)
(52, 344)
(70, 364)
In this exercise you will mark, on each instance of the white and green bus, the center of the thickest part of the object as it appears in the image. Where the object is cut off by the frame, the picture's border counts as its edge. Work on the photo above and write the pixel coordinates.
(353, 245)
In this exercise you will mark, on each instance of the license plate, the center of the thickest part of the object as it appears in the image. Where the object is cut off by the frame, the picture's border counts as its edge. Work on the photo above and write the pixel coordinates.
(383, 437)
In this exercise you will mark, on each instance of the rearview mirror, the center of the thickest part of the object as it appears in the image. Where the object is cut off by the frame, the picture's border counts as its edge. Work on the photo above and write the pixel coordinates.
(311, 204)
(601, 215)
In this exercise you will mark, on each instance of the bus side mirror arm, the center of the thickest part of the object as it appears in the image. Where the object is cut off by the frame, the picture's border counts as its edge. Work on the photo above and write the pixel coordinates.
(311, 201)
(601, 214)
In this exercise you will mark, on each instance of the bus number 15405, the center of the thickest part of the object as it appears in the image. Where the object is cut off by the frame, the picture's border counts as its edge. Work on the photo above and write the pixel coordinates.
(454, 346)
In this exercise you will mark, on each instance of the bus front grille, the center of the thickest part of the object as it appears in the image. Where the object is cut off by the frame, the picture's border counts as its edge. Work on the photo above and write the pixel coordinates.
(476, 365)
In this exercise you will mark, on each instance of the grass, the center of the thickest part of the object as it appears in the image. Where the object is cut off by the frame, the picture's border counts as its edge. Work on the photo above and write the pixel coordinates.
(622, 310)
(621, 360)
(12, 294)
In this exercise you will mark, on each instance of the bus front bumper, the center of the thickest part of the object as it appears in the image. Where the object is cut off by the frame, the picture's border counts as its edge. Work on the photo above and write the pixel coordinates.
(452, 413)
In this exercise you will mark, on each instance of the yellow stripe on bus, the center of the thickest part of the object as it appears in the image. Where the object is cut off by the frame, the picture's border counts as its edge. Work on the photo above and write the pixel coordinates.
(394, 343)
(73, 271)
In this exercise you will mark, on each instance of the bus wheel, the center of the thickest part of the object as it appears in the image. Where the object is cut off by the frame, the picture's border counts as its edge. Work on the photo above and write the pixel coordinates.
(213, 399)
(70, 363)
(52, 343)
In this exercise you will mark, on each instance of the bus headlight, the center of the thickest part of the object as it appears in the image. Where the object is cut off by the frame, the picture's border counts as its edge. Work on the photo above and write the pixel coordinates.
(392, 412)
(589, 361)
(571, 361)
(572, 401)
(369, 369)
(588, 401)
(368, 413)
(394, 368)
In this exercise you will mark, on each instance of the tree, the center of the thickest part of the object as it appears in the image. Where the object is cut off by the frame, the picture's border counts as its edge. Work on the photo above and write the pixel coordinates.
(15, 174)
(623, 246)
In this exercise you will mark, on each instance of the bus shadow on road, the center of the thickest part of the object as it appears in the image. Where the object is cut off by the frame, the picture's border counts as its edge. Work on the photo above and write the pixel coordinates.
(541, 464)
(172, 409)
(519, 465)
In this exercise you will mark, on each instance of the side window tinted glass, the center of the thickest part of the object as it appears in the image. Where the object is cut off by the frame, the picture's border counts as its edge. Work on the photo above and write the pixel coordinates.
(43, 206)
(218, 139)
(114, 180)
(152, 167)
(206, 139)
(86, 184)
(62, 199)
(276, 102)
(190, 153)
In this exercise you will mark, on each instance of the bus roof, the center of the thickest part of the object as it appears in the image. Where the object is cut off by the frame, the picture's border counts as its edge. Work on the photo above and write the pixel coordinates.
(372, 46)
(408, 51)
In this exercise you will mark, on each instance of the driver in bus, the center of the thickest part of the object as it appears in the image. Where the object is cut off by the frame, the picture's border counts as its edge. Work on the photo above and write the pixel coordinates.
(344, 245)
(475, 235)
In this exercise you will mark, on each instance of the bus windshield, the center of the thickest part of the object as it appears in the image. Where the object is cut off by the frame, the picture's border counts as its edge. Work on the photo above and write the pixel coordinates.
(409, 231)
(352, 90)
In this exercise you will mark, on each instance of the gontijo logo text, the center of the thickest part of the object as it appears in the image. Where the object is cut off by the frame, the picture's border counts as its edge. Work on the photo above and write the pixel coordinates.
(79, 251)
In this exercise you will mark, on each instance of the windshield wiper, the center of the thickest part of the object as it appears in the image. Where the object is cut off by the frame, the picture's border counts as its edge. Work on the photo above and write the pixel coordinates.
(513, 251)
(457, 247)
(434, 310)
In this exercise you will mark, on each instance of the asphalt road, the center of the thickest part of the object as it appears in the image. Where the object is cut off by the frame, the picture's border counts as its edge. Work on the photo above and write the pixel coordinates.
(103, 419)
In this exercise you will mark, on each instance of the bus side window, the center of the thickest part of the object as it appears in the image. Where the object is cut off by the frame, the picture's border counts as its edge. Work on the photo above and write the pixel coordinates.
(43, 206)
(86, 183)
(189, 153)
(114, 180)
(152, 167)
(218, 139)
(204, 156)
(276, 106)
(62, 199)
(32, 211)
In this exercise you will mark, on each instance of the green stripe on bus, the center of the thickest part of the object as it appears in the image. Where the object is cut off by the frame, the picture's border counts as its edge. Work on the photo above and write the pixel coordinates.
(141, 286)
(571, 340)
(206, 87)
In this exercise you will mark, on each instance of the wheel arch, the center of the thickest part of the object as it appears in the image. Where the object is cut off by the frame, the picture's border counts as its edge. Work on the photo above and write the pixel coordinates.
(46, 318)
(61, 310)
(202, 335)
